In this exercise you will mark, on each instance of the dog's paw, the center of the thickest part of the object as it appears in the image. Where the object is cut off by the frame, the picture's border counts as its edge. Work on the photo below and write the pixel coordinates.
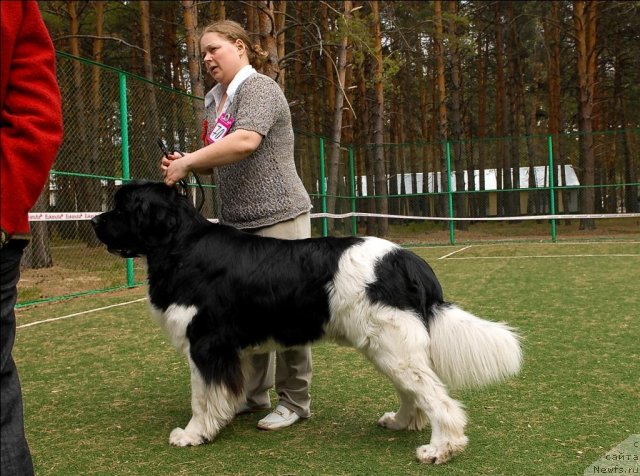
(431, 455)
(441, 453)
(179, 437)
(388, 420)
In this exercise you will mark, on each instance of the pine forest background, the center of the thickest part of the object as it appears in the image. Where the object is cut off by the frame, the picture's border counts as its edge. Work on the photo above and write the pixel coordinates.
(412, 74)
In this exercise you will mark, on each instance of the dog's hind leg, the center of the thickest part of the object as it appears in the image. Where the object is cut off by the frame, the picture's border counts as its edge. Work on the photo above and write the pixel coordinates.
(405, 417)
(213, 406)
(401, 353)
(448, 421)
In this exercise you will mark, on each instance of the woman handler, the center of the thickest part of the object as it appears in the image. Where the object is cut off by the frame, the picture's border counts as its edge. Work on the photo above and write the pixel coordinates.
(249, 144)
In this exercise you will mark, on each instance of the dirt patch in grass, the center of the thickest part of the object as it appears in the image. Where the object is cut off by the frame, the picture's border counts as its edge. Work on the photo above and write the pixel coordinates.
(46, 283)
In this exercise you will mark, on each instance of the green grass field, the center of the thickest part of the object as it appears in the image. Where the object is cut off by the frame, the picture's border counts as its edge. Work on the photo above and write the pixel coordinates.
(103, 389)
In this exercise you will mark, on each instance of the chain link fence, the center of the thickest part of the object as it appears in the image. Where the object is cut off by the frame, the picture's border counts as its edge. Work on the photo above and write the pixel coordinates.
(525, 188)
(475, 190)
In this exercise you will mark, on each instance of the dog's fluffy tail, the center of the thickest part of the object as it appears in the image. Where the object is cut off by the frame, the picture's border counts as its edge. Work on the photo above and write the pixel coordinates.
(467, 351)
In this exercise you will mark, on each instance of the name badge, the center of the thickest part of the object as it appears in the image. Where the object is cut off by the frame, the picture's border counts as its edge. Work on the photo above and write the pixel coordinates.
(221, 129)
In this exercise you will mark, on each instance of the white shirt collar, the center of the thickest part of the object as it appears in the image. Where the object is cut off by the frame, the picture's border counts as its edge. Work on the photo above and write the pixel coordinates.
(216, 93)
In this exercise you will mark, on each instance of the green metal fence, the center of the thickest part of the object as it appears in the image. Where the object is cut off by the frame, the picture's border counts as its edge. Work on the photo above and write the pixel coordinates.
(473, 190)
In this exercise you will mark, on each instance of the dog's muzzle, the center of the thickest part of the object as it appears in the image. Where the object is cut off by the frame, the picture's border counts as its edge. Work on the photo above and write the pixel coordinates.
(122, 250)
(95, 221)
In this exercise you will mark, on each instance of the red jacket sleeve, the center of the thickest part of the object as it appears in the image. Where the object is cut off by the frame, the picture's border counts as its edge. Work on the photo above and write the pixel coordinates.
(30, 114)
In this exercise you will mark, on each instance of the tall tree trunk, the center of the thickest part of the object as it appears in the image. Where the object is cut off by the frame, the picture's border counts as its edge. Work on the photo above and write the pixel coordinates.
(529, 117)
(367, 152)
(502, 119)
(173, 73)
(96, 88)
(442, 106)
(280, 17)
(153, 122)
(419, 159)
(88, 191)
(325, 21)
(426, 118)
(190, 18)
(97, 118)
(435, 145)
(378, 122)
(456, 116)
(554, 74)
(268, 40)
(401, 125)
(482, 123)
(219, 10)
(585, 19)
(513, 159)
(300, 111)
(313, 120)
(336, 126)
(630, 192)
(252, 18)
(632, 195)
(392, 156)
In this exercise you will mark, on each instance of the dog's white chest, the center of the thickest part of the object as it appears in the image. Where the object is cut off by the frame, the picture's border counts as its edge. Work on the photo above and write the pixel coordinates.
(175, 321)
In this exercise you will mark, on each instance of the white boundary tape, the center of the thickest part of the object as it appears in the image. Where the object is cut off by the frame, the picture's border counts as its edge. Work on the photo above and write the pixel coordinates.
(545, 256)
(524, 217)
(62, 216)
(72, 216)
(454, 252)
(53, 319)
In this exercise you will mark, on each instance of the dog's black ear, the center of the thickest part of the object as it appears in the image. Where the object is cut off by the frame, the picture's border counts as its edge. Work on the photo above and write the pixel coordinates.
(156, 219)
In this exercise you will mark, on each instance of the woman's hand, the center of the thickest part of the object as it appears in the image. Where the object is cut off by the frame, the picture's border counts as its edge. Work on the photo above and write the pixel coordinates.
(232, 148)
(174, 167)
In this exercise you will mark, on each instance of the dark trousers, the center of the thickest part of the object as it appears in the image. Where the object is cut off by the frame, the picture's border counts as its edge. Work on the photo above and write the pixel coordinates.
(15, 458)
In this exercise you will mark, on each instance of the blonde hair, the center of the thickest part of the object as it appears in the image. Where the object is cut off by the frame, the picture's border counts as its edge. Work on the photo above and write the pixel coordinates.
(233, 31)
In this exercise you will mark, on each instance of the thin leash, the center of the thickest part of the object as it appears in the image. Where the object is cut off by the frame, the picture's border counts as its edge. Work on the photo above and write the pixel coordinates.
(182, 184)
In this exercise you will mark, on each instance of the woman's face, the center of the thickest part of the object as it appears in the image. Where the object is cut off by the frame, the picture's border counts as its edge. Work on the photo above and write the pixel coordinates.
(222, 58)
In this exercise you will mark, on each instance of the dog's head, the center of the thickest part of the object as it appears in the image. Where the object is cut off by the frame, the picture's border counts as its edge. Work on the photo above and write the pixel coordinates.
(146, 216)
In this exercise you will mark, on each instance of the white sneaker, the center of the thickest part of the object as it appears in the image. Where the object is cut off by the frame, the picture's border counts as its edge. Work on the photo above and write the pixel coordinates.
(280, 418)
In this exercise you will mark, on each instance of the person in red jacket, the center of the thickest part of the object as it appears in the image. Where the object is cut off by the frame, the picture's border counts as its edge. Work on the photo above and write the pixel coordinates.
(30, 136)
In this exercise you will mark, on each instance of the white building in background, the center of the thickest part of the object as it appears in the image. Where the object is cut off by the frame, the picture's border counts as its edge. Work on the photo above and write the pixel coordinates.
(541, 180)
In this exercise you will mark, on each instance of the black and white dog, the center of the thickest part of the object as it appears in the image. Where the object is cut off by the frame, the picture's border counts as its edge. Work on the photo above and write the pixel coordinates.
(222, 295)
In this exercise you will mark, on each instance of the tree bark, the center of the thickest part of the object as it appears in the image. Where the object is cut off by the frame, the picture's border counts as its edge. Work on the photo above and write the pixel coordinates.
(482, 123)
(443, 133)
(330, 96)
(268, 40)
(280, 16)
(153, 123)
(515, 112)
(585, 19)
(378, 123)
(554, 74)
(460, 200)
(190, 18)
(365, 130)
(88, 192)
(336, 127)
(502, 119)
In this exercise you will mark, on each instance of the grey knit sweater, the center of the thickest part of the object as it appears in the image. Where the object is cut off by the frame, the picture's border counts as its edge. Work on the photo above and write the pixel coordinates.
(264, 188)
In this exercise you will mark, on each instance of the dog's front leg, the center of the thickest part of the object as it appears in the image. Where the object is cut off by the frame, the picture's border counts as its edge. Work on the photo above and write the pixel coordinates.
(212, 406)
